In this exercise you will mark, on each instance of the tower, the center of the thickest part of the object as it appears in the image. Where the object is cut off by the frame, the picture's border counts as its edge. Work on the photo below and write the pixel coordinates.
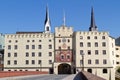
(93, 26)
(47, 22)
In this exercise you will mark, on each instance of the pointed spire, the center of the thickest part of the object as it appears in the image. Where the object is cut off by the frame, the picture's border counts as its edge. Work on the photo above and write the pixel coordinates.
(64, 19)
(47, 22)
(93, 26)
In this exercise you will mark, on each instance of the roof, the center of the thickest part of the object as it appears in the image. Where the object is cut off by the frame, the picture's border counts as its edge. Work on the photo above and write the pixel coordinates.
(83, 75)
(27, 32)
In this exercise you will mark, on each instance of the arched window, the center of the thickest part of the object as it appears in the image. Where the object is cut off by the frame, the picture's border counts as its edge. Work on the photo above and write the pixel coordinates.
(104, 70)
(89, 70)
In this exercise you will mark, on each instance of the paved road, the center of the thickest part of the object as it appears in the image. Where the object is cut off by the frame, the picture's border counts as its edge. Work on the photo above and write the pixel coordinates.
(40, 77)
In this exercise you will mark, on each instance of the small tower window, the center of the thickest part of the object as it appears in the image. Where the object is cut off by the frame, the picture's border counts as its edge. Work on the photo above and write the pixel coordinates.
(47, 28)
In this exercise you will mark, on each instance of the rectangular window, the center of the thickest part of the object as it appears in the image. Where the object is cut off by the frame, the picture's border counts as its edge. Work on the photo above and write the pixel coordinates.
(104, 52)
(33, 61)
(27, 46)
(88, 37)
(39, 46)
(104, 61)
(8, 62)
(89, 52)
(50, 46)
(96, 61)
(96, 52)
(81, 44)
(103, 44)
(95, 37)
(33, 46)
(15, 47)
(15, 62)
(39, 54)
(96, 44)
(50, 53)
(27, 54)
(39, 62)
(103, 37)
(81, 37)
(89, 61)
(50, 61)
(15, 54)
(9, 47)
(33, 54)
(81, 62)
(27, 62)
(88, 44)
(9, 54)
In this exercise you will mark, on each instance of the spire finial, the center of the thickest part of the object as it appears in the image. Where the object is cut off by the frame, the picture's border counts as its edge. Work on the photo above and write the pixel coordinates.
(64, 20)
(47, 21)
(93, 26)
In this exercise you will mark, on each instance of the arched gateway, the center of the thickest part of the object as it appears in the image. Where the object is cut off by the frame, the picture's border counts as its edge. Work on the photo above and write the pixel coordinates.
(64, 69)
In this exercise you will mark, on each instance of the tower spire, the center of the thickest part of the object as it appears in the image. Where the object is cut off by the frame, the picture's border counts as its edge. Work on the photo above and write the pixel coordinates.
(64, 19)
(47, 22)
(93, 26)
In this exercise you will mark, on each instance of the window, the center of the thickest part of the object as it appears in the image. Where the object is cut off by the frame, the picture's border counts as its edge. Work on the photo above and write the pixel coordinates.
(68, 56)
(47, 28)
(68, 40)
(39, 46)
(81, 37)
(39, 54)
(81, 52)
(9, 41)
(95, 37)
(117, 48)
(27, 54)
(59, 40)
(88, 44)
(88, 37)
(89, 52)
(50, 40)
(15, 47)
(50, 53)
(9, 47)
(62, 56)
(89, 70)
(117, 62)
(81, 44)
(104, 52)
(96, 44)
(39, 62)
(9, 54)
(50, 61)
(40, 40)
(27, 62)
(33, 40)
(0, 46)
(103, 37)
(15, 62)
(33, 61)
(8, 62)
(33, 46)
(104, 70)
(96, 52)
(104, 61)
(89, 61)
(33, 54)
(27, 46)
(28, 40)
(16, 41)
(68, 47)
(117, 55)
(96, 61)
(15, 54)
(59, 47)
(50, 46)
(103, 44)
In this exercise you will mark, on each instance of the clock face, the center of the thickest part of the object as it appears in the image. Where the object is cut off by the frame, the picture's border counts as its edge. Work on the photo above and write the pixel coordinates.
(64, 40)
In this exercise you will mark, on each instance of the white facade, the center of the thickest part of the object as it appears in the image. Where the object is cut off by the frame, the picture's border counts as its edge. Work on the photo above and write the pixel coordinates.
(28, 52)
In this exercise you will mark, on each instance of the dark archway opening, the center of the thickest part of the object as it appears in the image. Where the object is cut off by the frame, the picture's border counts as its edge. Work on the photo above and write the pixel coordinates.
(64, 69)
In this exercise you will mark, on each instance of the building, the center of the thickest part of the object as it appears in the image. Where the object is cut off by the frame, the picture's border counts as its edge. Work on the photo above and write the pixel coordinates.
(1, 51)
(62, 52)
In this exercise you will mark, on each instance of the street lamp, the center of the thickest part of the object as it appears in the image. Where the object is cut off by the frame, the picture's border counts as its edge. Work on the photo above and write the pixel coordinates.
(82, 54)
